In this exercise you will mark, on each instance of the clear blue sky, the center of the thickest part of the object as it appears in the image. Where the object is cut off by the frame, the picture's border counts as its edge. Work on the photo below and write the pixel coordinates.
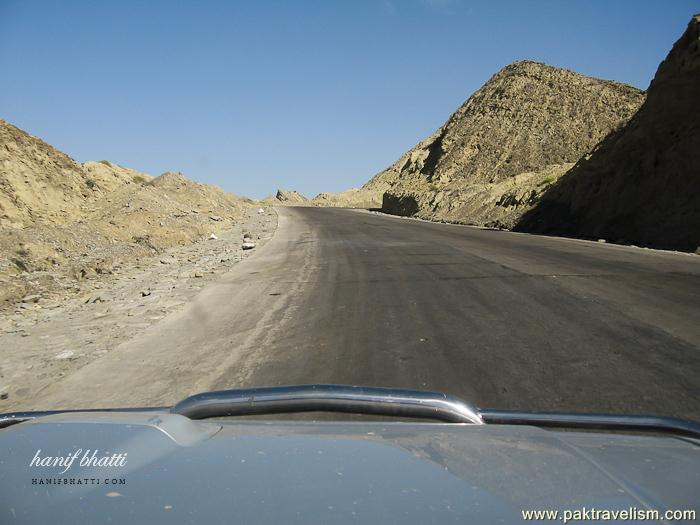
(313, 96)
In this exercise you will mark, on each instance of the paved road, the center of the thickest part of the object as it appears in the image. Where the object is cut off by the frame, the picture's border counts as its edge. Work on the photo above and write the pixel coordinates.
(501, 319)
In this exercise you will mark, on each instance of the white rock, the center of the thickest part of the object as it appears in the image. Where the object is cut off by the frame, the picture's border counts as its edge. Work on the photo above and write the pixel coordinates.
(261, 210)
(213, 237)
(248, 245)
(66, 354)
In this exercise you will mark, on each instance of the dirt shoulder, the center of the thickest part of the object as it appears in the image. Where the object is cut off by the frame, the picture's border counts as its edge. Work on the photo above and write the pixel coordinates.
(46, 341)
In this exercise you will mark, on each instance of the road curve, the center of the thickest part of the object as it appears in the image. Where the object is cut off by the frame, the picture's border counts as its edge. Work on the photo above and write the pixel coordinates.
(503, 320)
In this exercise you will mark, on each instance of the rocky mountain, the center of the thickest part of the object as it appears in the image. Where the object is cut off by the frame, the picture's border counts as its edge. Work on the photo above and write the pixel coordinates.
(642, 182)
(511, 139)
(62, 221)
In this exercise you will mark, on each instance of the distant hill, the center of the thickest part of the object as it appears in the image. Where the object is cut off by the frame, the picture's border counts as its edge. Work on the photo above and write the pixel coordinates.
(642, 182)
(291, 197)
(352, 198)
(287, 197)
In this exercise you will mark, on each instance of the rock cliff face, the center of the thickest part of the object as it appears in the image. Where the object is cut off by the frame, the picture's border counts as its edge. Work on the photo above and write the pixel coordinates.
(642, 182)
(497, 204)
(529, 120)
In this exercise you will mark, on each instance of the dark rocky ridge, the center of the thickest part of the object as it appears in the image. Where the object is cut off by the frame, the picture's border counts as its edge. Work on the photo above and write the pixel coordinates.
(642, 182)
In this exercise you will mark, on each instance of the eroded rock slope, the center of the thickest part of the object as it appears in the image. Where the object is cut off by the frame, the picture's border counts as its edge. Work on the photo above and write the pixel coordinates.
(505, 145)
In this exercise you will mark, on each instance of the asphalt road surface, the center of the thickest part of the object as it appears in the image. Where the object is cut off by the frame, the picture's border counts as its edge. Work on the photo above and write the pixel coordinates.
(503, 320)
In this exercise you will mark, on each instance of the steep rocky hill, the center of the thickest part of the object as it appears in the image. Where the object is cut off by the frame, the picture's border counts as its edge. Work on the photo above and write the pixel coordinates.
(62, 222)
(529, 120)
(642, 182)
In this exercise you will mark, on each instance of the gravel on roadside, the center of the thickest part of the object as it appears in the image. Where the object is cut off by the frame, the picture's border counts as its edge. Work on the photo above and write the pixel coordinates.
(44, 341)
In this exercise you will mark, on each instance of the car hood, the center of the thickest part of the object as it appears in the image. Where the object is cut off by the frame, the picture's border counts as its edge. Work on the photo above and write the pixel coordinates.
(180, 471)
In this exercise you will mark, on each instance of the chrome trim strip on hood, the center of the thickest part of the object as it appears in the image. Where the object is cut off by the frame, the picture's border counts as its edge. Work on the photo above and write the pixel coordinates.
(591, 421)
(381, 401)
(328, 398)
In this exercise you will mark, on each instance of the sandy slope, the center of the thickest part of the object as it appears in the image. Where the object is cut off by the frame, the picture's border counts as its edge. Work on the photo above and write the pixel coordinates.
(63, 223)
